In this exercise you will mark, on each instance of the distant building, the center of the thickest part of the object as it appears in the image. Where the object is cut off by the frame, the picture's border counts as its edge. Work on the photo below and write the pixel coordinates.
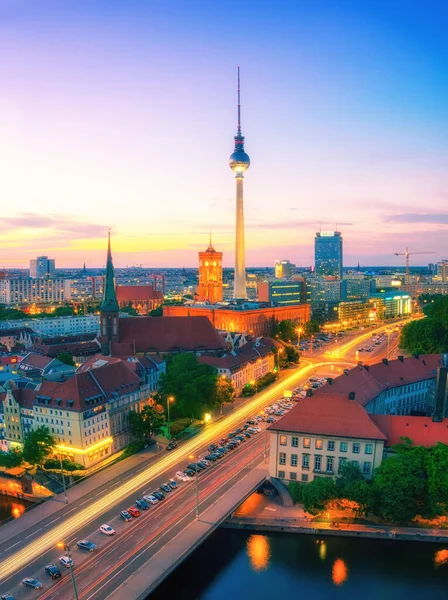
(357, 288)
(42, 267)
(396, 303)
(57, 325)
(143, 298)
(284, 268)
(442, 271)
(83, 289)
(282, 293)
(35, 366)
(23, 291)
(322, 290)
(210, 275)
(328, 253)
(16, 335)
(357, 313)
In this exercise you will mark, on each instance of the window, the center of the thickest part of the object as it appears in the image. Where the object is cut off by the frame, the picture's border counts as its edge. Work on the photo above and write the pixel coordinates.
(282, 458)
(356, 447)
(305, 461)
(281, 474)
(366, 468)
(293, 476)
(343, 446)
(317, 462)
(283, 440)
(330, 445)
(355, 463)
(330, 461)
(304, 476)
(369, 448)
(319, 444)
(306, 443)
(295, 442)
(293, 460)
(342, 462)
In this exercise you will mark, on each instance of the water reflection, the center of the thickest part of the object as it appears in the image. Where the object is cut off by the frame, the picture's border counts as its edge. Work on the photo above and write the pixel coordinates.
(322, 550)
(440, 558)
(339, 572)
(17, 510)
(259, 552)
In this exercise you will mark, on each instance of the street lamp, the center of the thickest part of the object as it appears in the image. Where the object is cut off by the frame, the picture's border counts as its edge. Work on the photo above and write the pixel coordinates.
(67, 549)
(197, 487)
(63, 478)
(168, 402)
(299, 333)
(265, 437)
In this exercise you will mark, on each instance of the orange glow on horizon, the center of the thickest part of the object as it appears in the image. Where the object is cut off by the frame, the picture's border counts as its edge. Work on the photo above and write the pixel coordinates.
(259, 552)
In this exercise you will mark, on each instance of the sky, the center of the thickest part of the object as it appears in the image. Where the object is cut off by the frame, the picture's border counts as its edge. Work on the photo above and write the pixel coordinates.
(121, 114)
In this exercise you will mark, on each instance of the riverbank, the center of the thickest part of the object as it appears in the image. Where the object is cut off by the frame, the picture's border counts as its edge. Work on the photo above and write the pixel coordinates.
(266, 514)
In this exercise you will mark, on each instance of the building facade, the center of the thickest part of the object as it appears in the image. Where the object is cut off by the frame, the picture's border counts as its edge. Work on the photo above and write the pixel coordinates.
(284, 268)
(282, 293)
(328, 253)
(142, 298)
(210, 276)
(56, 326)
(42, 267)
(24, 292)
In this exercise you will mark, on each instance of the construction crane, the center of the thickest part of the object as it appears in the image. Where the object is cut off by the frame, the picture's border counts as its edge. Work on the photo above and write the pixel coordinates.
(407, 254)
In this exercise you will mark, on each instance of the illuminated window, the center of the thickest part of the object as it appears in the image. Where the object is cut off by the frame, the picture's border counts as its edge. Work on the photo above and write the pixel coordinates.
(306, 442)
(282, 458)
(343, 446)
(283, 440)
(319, 444)
(369, 448)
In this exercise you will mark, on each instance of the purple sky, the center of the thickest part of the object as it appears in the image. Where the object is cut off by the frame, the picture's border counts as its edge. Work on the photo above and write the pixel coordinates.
(122, 114)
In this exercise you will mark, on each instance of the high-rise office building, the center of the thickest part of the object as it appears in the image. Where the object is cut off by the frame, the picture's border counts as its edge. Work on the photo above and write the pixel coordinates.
(42, 267)
(284, 268)
(239, 162)
(328, 253)
(442, 270)
(210, 275)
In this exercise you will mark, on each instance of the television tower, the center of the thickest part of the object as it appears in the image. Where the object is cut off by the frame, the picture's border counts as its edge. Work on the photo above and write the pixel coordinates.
(239, 162)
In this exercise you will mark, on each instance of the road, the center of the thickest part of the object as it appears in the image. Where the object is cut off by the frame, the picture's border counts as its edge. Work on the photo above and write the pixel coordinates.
(26, 555)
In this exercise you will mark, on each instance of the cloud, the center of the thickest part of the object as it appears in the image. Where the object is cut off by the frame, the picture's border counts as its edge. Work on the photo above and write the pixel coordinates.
(56, 226)
(437, 218)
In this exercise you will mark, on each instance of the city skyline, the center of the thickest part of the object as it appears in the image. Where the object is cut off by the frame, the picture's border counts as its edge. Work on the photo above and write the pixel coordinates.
(106, 116)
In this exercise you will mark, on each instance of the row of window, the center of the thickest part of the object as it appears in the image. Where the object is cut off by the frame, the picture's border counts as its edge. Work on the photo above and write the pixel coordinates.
(331, 444)
(319, 463)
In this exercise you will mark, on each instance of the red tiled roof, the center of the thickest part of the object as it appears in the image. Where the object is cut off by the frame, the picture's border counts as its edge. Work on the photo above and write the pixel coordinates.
(75, 348)
(36, 361)
(329, 414)
(423, 431)
(23, 396)
(369, 383)
(250, 352)
(97, 361)
(167, 334)
(8, 360)
(137, 292)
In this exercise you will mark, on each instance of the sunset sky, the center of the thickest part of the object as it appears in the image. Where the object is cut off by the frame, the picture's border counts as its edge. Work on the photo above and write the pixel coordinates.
(121, 114)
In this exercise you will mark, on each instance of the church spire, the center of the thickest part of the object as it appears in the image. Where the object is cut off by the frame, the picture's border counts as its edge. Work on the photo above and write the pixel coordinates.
(109, 303)
(210, 246)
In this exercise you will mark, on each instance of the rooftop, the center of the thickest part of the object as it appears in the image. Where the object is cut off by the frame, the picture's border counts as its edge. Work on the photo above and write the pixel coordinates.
(423, 431)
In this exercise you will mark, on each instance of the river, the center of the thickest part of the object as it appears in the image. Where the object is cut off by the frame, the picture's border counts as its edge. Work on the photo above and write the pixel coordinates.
(234, 564)
(11, 507)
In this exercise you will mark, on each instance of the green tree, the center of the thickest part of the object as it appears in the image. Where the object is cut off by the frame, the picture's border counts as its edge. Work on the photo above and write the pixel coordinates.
(156, 312)
(295, 489)
(437, 470)
(286, 331)
(129, 310)
(12, 458)
(361, 492)
(66, 358)
(290, 354)
(349, 473)
(38, 445)
(312, 327)
(147, 423)
(429, 335)
(317, 493)
(225, 392)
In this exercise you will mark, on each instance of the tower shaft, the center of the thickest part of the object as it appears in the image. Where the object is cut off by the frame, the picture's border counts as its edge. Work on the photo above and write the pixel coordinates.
(239, 291)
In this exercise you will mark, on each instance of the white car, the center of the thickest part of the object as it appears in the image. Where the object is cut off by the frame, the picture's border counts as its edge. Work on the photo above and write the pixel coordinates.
(107, 530)
(253, 430)
(66, 561)
(151, 499)
(182, 476)
(205, 461)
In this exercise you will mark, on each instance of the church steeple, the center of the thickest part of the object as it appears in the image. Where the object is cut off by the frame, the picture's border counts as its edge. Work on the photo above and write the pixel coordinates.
(109, 302)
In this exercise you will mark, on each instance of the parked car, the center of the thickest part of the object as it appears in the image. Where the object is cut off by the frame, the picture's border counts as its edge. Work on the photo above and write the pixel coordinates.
(181, 476)
(194, 467)
(211, 457)
(142, 504)
(86, 545)
(159, 495)
(247, 435)
(134, 512)
(66, 562)
(172, 484)
(246, 426)
(189, 472)
(125, 515)
(171, 446)
(202, 464)
(205, 462)
(240, 438)
(271, 420)
(107, 530)
(165, 487)
(150, 499)
(7, 597)
(212, 447)
(32, 583)
(238, 430)
(53, 571)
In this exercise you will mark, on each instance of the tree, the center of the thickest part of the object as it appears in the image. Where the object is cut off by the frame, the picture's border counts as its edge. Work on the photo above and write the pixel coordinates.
(437, 469)
(312, 327)
(156, 312)
(362, 495)
(12, 458)
(349, 473)
(295, 489)
(129, 310)
(148, 422)
(290, 354)
(38, 445)
(317, 493)
(66, 358)
(286, 331)
(430, 335)
(225, 392)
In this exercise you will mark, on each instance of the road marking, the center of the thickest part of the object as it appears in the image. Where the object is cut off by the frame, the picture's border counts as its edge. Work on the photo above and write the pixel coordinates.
(273, 509)
(85, 502)
(6, 549)
(54, 521)
(34, 533)
(69, 511)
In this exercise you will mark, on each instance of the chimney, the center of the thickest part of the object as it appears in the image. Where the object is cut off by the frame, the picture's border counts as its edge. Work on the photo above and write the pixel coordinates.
(385, 361)
(401, 358)
(440, 401)
(351, 395)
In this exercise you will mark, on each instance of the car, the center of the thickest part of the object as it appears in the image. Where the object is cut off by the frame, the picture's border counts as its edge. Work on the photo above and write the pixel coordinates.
(238, 430)
(259, 418)
(212, 447)
(240, 438)
(171, 446)
(223, 441)
(107, 530)
(230, 447)
(247, 435)
(125, 515)
(32, 583)
(189, 473)
(232, 434)
(210, 457)
(172, 484)
(134, 512)
(202, 464)
(181, 476)
(217, 456)
(53, 571)
(66, 561)
(252, 430)
(159, 495)
(142, 504)
(246, 426)
(7, 597)
(86, 545)
(194, 467)
(222, 450)
(205, 461)
(252, 422)
(270, 420)
(165, 487)
(150, 499)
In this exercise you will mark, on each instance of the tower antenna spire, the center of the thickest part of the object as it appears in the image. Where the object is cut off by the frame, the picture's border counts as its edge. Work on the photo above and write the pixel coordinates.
(239, 105)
